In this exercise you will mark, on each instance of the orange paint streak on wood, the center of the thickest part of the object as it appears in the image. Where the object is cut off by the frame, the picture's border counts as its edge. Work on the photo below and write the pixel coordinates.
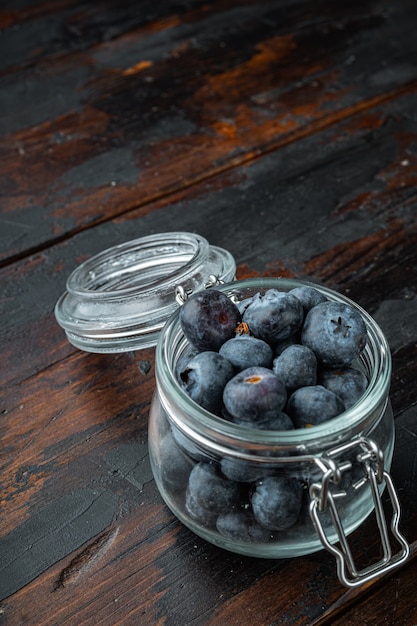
(186, 161)
(170, 21)
(369, 121)
(189, 151)
(87, 122)
(138, 67)
(276, 269)
(240, 79)
(227, 129)
(21, 490)
(180, 49)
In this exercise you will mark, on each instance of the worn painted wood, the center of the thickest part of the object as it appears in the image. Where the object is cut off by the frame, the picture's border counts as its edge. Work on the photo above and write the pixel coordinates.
(355, 182)
(127, 106)
(294, 146)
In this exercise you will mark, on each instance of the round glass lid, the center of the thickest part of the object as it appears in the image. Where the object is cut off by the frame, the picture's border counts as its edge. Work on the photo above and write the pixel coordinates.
(119, 299)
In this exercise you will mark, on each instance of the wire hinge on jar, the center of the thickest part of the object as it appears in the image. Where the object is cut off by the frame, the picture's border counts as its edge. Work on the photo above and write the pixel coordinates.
(324, 495)
(181, 294)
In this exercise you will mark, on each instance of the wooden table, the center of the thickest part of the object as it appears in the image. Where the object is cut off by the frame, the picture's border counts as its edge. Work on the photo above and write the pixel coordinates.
(283, 131)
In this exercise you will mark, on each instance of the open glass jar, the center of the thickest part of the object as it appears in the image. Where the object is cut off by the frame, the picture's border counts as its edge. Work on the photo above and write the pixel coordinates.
(127, 298)
(341, 465)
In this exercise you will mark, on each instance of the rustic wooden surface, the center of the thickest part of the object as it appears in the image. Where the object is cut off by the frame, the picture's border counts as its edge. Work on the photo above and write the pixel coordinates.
(285, 131)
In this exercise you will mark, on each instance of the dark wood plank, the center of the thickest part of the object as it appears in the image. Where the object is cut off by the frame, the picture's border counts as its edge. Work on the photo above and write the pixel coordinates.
(285, 132)
(89, 445)
(396, 601)
(50, 29)
(338, 207)
(94, 133)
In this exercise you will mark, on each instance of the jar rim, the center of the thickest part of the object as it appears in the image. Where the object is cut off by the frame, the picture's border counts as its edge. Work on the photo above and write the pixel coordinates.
(120, 298)
(104, 275)
(191, 417)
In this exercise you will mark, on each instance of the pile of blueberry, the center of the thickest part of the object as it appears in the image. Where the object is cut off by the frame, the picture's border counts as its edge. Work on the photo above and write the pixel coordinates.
(275, 361)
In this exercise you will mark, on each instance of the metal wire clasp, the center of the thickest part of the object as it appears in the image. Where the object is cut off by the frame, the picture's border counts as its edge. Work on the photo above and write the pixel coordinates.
(182, 294)
(324, 495)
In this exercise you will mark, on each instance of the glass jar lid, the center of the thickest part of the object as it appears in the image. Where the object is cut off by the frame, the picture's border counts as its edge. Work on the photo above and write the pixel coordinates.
(120, 299)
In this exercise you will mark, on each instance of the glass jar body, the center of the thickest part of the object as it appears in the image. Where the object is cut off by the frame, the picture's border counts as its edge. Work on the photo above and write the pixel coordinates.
(187, 444)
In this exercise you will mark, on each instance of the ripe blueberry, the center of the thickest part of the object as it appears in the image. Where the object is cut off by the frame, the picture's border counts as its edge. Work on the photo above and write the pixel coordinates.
(308, 296)
(348, 383)
(310, 406)
(245, 351)
(296, 366)
(277, 502)
(209, 318)
(274, 315)
(204, 378)
(335, 332)
(254, 395)
(209, 493)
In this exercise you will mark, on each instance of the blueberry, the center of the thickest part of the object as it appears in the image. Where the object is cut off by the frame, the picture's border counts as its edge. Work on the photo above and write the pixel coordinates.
(273, 421)
(242, 526)
(335, 332)
(245, 351)
(296, 367)
(208, 318)
(255, 394)
(348, 383)
(277, 502)
(174, 465)
(310, 406)
(209, 493)
(274, 315)
(198, 513)
(308, 296)
(241, 471)
(204, 378)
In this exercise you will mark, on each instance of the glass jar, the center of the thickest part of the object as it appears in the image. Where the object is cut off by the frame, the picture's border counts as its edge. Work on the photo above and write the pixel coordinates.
(127, 298)
(341, 466)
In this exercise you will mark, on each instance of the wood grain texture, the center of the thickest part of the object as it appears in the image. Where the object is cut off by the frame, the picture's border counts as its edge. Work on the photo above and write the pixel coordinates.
(356, 183)
(149, 120)
(285, 132)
